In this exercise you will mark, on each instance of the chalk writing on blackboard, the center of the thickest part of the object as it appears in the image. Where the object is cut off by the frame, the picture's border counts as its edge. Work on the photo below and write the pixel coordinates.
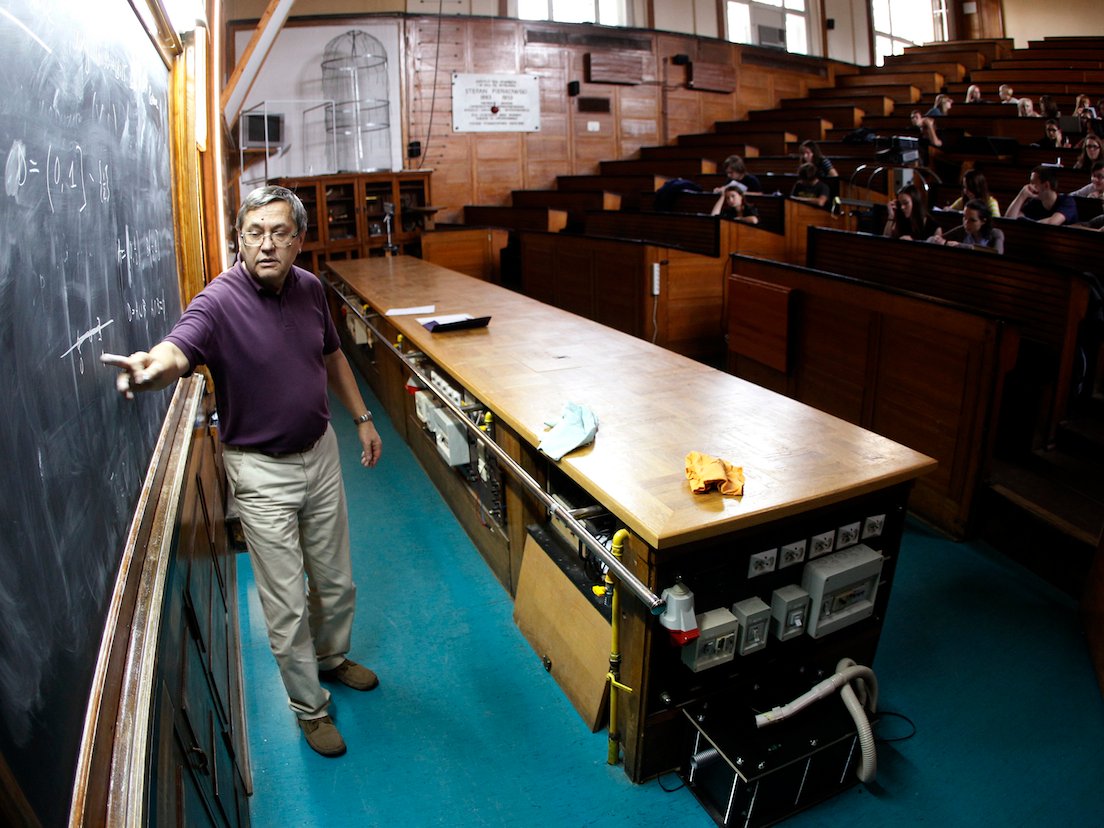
(87, 265)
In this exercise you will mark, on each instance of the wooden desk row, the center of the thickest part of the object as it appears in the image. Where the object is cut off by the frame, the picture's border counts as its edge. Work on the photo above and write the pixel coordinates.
(807, 474)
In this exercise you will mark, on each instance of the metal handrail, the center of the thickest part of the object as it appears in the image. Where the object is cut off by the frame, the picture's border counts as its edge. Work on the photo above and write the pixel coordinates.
(555, 509)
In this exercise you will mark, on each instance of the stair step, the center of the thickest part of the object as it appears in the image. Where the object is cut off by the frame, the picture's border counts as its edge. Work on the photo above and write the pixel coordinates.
(1083, 436)
(1037, 522)
(1063, 490)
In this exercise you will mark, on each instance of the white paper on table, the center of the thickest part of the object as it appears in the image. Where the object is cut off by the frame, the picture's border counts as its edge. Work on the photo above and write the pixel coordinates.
(409, 311)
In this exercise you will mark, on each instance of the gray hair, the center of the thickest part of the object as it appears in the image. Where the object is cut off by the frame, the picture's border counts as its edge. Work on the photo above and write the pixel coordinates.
(266, 195)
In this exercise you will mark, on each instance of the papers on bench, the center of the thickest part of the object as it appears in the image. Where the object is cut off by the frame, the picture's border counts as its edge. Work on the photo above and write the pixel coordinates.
(452, 322)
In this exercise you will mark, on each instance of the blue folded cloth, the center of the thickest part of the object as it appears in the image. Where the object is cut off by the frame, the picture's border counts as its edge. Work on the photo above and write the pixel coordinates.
(576, 427)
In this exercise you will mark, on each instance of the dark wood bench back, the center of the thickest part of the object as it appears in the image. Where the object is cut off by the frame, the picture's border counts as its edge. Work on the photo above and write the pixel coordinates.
(772, 208)
(686, 231)
(1035, 297)
(917, 370)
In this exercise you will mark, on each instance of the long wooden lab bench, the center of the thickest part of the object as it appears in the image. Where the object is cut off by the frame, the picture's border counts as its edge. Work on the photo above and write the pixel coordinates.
(820, 496)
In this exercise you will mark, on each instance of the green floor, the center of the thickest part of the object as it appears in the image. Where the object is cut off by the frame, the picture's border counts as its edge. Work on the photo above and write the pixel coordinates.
(467, 728)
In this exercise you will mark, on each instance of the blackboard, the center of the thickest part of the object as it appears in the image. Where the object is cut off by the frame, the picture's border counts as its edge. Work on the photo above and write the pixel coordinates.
(87, 265)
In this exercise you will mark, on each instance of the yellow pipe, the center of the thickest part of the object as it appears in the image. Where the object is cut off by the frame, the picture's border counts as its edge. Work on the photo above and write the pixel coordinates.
(614, 675)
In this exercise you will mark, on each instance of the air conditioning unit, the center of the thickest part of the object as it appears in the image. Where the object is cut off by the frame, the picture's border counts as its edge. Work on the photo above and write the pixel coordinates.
(259, 130)
(771, 36)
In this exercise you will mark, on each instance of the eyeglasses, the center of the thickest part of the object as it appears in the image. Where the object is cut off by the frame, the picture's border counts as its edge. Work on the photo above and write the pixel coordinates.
(280, 238)
(1092, 146)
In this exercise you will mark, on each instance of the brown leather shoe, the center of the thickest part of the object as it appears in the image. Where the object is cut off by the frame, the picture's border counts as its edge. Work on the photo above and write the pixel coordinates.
(352, 675)
(322, 735)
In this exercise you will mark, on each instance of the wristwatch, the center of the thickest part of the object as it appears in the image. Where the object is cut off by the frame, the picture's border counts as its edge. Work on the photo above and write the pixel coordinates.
(366, 417)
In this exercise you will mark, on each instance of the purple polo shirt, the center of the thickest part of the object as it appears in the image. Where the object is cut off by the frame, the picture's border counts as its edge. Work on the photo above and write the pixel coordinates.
(265, 353)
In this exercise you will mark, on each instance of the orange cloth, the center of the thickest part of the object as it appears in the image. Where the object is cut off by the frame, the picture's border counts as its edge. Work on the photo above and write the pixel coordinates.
(705, 473)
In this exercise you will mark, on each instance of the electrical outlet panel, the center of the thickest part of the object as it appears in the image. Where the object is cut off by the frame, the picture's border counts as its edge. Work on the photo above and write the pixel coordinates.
(753, 616)
(873, 526)
(822, 544)
(451, 439)
(716, 641)
(847, 535)
(447, 388)
(789, 612)
(792, 553)
(842, 588)
(762, 562)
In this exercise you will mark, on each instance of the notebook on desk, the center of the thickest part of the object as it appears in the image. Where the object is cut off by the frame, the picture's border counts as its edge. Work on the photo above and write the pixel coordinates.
(453, 322)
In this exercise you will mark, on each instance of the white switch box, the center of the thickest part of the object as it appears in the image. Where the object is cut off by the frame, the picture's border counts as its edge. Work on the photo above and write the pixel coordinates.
(594, 126)
(753, 616)
(789, 612)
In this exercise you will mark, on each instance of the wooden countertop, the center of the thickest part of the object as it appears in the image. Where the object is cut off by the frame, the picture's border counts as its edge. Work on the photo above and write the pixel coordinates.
(653, 406)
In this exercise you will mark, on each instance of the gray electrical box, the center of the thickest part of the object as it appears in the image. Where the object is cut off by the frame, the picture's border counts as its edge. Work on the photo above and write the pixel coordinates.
(754, 617)
(789, 612)
(842, 588)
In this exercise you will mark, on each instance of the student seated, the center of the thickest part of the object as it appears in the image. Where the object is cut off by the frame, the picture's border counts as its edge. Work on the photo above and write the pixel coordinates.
(977, 230)
(943, 104)
(924, 128)
(1052, 136)
(736, 172)
(973, 94)
(1048, 107)
(1095, 187)
(1006, 94)
(809, 188)
(974, 186)
(909, 218)
(811, 154)
(1090, 153)
(733, 205)
(1040, 201)
(1026, 109)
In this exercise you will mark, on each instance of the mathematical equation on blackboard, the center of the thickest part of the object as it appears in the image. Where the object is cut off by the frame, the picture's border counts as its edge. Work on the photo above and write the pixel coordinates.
(74, 183)
(62, 174)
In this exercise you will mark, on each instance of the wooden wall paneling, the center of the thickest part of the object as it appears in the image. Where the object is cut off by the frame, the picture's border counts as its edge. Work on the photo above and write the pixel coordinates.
(550, 151)
(755, 91)
(638, 119)
(693, 311)
(617, 279)
(759, 321)
(614, 66)
(498, 160)
(831, 346)
(538, 266)
(680, 114)
(434, 50)
(712, 77)
(573, 278)
(495, 47)
(653, 110)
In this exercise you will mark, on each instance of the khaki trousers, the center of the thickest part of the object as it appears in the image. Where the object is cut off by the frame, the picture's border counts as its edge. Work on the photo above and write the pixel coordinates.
(296, 527)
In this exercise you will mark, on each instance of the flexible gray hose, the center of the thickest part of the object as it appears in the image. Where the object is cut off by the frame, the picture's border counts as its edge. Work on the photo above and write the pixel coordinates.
(858, 699)
(869, 767)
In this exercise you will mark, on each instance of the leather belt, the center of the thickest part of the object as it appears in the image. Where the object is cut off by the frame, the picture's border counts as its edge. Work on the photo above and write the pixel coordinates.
(278, 455)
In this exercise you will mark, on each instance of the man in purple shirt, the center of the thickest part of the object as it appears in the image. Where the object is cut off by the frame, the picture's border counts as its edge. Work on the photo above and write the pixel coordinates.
(264, 331)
